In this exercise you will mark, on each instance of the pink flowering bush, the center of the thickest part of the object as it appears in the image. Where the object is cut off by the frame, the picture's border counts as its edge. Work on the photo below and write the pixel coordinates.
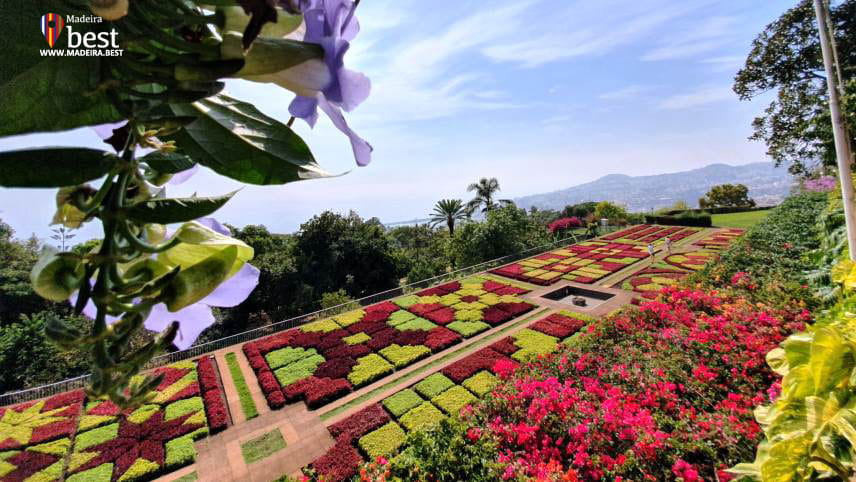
(657, 393)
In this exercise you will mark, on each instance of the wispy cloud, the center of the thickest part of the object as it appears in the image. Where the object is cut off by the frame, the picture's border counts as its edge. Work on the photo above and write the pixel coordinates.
(702, 96)
(726, 63)
(626, 93)
(694, 39)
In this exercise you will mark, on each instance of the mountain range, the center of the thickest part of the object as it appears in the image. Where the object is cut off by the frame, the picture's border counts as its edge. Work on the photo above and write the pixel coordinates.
(767, 184)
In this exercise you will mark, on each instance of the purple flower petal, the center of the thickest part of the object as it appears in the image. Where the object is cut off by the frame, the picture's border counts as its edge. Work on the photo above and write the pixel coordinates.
(193, 320)
(105, 131)
(355, 88)
(362, 149)
(215, 225)
(183, 176)
(236, 289)
(305, 108)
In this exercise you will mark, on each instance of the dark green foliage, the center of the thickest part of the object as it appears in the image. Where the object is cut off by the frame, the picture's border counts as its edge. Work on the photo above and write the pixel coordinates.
(507, 230)
(16, 260)
(580, 210)
(727, 195)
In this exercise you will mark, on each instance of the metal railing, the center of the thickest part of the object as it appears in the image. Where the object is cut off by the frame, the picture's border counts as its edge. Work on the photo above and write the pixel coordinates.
(256, 333)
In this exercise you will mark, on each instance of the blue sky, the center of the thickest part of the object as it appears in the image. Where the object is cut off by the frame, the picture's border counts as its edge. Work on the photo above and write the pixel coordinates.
(542, 94)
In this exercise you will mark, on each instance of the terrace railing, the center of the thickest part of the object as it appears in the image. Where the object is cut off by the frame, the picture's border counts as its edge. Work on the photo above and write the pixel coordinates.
(256, 333)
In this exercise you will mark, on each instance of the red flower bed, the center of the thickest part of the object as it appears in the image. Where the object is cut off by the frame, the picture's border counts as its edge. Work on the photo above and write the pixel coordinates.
(385, 307)
(207, 375)
(505, 346)
(410, 337)
(515, 309)
(432, 292)
(423, 309)
(335, 368)
(441, 338)
(359, 424)
(367, 327)
(339, 463)
(374, 316)
(484, 359)
(558, 325)
(215, 410)
(347, 351)
(326, 390)
(48, 420)
(648, 395)
(496, 316)
(443, 316)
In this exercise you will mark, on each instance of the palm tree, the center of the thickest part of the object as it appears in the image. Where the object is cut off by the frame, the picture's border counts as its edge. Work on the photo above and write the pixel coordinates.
(448, 211)
(485, 190)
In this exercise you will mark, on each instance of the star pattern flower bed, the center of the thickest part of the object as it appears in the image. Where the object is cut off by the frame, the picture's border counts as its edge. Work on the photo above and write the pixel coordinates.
(379, 429)
(93, 440)
(326, 359)
(721, 239)
(585, 262)
(648, 233)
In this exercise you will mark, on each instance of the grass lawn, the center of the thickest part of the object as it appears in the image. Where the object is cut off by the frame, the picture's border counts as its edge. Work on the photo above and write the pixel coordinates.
(739, 220)
(263, 446)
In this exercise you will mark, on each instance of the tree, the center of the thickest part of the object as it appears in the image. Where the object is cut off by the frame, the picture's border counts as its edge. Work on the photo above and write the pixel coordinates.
(449, 211)
(609, 210)
(506, 230)
(786, 57)
(485, 190)
(16, 293)
(726, 196)
(580, 210)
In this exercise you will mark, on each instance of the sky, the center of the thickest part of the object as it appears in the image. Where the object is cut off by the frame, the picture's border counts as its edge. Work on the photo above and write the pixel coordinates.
(541, 94)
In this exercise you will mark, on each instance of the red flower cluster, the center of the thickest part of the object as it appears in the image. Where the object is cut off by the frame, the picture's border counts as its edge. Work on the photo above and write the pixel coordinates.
(558, 325)
(666, 391)
(564, 223)
(342, 460)
(212, 395)
(484, 359)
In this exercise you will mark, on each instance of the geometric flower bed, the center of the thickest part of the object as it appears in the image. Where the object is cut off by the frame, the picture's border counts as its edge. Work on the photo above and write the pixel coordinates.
(647, 233)
(585, 262)
(324, 360)
(650, 281)
(721, 239)
(381, 429)
(691, 261)
(107, 444)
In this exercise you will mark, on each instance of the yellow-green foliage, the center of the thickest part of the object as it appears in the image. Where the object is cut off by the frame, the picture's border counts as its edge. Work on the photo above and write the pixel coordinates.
(298, 370)
(481, 383)
(356, 339)
(287, 356)
(579, 316)
(429, 300)
(369, 368)
(183, 407)
(94, 437)
(181, 451)
(454, 399)
(433, 385)
(417, 324)
(399, 317)
(140, 469)
(384, 441)
(102, 473)
(324, 326)
(423, 416)
(532, 344)
(402, 402)
(406, 301)
(349, 318)
(468, 328)
(401, 356)
(248, 406)
(468, 314)
(450, 300)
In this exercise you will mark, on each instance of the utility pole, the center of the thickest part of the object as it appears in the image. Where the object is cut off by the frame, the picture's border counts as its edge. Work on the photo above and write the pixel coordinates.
(839, 127)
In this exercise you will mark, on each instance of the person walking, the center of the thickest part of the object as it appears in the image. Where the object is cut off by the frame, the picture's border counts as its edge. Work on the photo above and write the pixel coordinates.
(651, 252)
(668, 245)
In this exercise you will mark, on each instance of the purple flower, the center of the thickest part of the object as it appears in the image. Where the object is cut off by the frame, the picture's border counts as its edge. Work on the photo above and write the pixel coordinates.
(194, 319)
(821, 184)
(332, 24)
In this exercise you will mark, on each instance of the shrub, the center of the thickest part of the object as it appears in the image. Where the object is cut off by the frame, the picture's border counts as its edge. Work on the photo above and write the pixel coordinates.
(356, 339)
(443, 316)
(349, 318)
(182, 407)
(268, 383)
(423, 416)
(468, 315)
(423, 309)
(533, 343)
(335, 368)
(495, 316)
(410, 337)
(286, 356)
(359, 424)
(339, 463)
(484, 359)
(453, 400)
(383, 307)
(322, 326)
(369, 368)
(383, 441)
(400, 317)
(215, 410)
(433, 385)
(207, 374)
(420, 324)
(325, 390)
(401, 356)
(347, 351)
(402, 402)
(468, 329)
(441, 338)
(505, 346)
(298, 370)
(406, 301)
(275, 400)
(481, 383)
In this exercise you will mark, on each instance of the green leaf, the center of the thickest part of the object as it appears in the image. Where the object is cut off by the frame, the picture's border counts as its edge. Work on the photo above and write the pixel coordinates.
(199, 280)
(199, 242)
(53, 167)
(831, 359)
(47, 93)
(236, 140)
(168, 211)
(785, 459)
(168, 162)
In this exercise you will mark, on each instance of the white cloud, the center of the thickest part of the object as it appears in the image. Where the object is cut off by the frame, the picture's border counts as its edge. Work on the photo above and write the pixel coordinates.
(702, 96)
(626, 93)
(694, 39)
(726, 63)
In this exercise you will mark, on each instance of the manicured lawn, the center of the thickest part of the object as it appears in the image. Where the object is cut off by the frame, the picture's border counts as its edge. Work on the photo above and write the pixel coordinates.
(248, 406)
(740, 220)
(263, 446)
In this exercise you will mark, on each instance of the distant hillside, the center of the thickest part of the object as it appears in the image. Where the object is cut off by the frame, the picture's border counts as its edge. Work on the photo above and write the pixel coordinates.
(767, 185)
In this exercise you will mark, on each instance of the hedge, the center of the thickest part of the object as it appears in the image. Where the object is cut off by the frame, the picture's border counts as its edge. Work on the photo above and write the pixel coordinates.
(402, 402)
(369, 368)
(433, 385)
(286, 356)
(298, 370)
(401, 356)
(383, 441)
(417, 324)
(481, 383)
(356, 339)
(468, 328)
(423, 416)
(533, 343)
(321, 326)
(454, 399)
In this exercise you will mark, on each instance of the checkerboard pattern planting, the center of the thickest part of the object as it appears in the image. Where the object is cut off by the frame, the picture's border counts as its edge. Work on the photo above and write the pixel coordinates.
(650, 281)
(720, 240)
(691, 261)
(648, 233)
(585, 262)
(68, 436)
(381, 429)
(326, 359)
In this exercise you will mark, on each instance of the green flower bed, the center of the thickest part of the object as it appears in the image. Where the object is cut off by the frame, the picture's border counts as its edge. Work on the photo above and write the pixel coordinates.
(406, 301)
(402, 402)
(323, 326)
(286, 356)
(298, 370)
(481, 383)
(532, 344)
(433, 385)
(399, 317)
(349, 318)
(94, 437)
(384, 441)
(468, 314)
(401, 356)
(356, 339)
(454, 399)
(468, 328)
(183, 407)
(421, 417)
(248, 406)
(369, 368)
(417, 324)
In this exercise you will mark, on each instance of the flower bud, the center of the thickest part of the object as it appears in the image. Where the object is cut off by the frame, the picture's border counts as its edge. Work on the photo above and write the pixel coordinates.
(109, 9)
(56, 275)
